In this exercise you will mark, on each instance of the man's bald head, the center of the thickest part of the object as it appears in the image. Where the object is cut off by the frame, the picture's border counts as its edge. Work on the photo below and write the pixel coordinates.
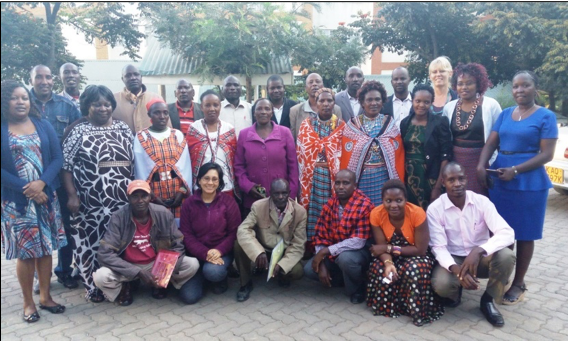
(132, 78)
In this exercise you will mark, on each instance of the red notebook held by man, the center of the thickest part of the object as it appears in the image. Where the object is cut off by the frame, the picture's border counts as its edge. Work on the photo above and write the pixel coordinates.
(164, 266)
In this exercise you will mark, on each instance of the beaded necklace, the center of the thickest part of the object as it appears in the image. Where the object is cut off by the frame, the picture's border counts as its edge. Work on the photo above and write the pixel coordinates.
(470, 117)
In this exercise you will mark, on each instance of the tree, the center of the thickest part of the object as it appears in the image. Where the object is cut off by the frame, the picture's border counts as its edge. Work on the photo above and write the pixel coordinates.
(504, 37)
(426, 30)
(538, 35)
(24, 44)
(330, 56)
(225, 38)
(27, 41)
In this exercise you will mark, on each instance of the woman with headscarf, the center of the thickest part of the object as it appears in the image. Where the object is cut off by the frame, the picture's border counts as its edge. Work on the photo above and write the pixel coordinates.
(318, 149)
(162, 159)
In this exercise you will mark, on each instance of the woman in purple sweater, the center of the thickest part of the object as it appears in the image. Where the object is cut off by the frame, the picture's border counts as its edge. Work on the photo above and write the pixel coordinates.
(209, 222)
(265, 151)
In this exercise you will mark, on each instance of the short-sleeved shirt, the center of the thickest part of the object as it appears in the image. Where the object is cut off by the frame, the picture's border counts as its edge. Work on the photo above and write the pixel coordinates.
(522, 140)
(414, 216)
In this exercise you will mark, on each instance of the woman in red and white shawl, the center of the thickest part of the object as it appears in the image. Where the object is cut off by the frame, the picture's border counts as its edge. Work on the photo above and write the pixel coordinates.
(318, 149)
(212, 140)
(372, 146)
(161, 158)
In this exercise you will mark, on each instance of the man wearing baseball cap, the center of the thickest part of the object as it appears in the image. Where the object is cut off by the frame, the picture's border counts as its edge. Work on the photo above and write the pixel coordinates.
(131, 243)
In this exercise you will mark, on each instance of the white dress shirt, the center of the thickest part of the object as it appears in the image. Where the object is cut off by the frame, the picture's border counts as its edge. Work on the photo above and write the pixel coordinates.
(401, 108)
(457, 232)
(355, 105)
(239, 117)
(278, 113)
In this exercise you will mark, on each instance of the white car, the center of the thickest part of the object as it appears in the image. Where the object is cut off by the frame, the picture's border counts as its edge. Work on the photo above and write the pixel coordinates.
(557, 169)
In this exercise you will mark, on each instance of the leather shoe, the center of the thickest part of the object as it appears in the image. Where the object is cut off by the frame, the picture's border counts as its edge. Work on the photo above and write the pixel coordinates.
(284, 282)
(244, 292)
(68, 282)
(448, 302)
(220, 287)
(357, 298)
(159, 293)
(491, 313)
(125, 296)
(232, 272)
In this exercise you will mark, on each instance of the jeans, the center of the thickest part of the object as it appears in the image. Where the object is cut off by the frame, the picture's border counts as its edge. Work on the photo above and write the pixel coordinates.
(350, 267)
(192, 290)
(65, 254)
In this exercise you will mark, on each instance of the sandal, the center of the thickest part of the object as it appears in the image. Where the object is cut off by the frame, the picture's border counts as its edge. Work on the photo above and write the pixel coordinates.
(56, 309)
(510, 300)
(31, 318)
(97, 296)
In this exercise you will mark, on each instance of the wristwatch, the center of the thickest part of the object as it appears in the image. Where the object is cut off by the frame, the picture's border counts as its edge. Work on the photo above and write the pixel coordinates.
(183, 190)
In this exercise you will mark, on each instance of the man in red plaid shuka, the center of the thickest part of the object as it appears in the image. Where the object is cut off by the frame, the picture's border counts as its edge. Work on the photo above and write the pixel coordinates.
(341, 235)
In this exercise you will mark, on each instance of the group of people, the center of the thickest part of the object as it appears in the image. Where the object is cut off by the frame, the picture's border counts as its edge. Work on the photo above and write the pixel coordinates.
(404, 199)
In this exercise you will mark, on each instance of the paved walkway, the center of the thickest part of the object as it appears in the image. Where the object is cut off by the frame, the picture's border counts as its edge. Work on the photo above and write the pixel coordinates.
(305, 311)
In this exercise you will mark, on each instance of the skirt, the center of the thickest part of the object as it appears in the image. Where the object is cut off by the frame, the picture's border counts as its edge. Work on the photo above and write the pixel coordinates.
(469, 158)
(523, 210)
(372, 181)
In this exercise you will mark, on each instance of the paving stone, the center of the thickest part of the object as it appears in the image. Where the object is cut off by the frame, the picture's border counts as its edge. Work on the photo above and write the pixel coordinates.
(304, 312)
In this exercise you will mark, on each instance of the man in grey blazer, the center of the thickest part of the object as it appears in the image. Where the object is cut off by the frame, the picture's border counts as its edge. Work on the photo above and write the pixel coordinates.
(347, 99)
(301, 111)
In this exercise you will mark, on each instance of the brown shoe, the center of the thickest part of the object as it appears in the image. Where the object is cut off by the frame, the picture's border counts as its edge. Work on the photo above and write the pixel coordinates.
(125, 296)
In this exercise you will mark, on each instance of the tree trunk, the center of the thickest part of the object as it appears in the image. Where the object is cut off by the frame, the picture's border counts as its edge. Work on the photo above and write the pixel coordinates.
(249, 88)
(551, 100)
(565, 107)
(50, 18)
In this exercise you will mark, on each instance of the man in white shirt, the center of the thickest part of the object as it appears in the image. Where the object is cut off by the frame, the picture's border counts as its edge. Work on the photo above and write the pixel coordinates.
(234, 111)
(400, 103)
(460, 223)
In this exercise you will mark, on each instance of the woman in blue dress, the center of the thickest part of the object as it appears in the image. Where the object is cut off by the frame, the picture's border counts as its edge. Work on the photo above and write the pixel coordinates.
(526, 137)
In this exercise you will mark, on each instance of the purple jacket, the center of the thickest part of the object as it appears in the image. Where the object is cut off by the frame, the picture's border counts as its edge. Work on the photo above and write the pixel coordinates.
(205, 228)
(259, 161)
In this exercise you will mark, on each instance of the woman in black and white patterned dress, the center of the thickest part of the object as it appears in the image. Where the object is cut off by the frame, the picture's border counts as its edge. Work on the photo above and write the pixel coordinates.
(97, 168)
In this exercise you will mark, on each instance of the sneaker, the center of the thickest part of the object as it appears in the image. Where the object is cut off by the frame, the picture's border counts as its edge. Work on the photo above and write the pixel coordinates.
(68, 282)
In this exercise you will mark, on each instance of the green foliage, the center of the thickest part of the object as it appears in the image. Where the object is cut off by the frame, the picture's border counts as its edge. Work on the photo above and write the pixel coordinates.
(537, 32)
(504, 37)
(425, 29)
(226, 38)
(28, 40)
(24, 44)
(331, 56)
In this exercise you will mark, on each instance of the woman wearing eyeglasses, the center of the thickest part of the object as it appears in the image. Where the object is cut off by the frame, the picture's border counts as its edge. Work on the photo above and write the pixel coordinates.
(209, 222)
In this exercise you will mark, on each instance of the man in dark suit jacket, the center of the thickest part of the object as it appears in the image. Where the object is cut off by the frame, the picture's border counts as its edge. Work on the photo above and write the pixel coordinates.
(184, 111)
(347, 99)
(276, 91)
(399, 104)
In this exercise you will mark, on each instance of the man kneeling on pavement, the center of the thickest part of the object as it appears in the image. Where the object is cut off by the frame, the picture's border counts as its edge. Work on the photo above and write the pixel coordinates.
(131, 243)
(271, 220)
(469, 239)
(341, 240)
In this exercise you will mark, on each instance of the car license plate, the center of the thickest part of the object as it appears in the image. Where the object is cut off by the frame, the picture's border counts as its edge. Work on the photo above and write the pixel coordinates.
(556, 175)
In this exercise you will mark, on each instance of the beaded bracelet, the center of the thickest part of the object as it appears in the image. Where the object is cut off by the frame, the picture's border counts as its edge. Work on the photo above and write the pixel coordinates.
(396, 250)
